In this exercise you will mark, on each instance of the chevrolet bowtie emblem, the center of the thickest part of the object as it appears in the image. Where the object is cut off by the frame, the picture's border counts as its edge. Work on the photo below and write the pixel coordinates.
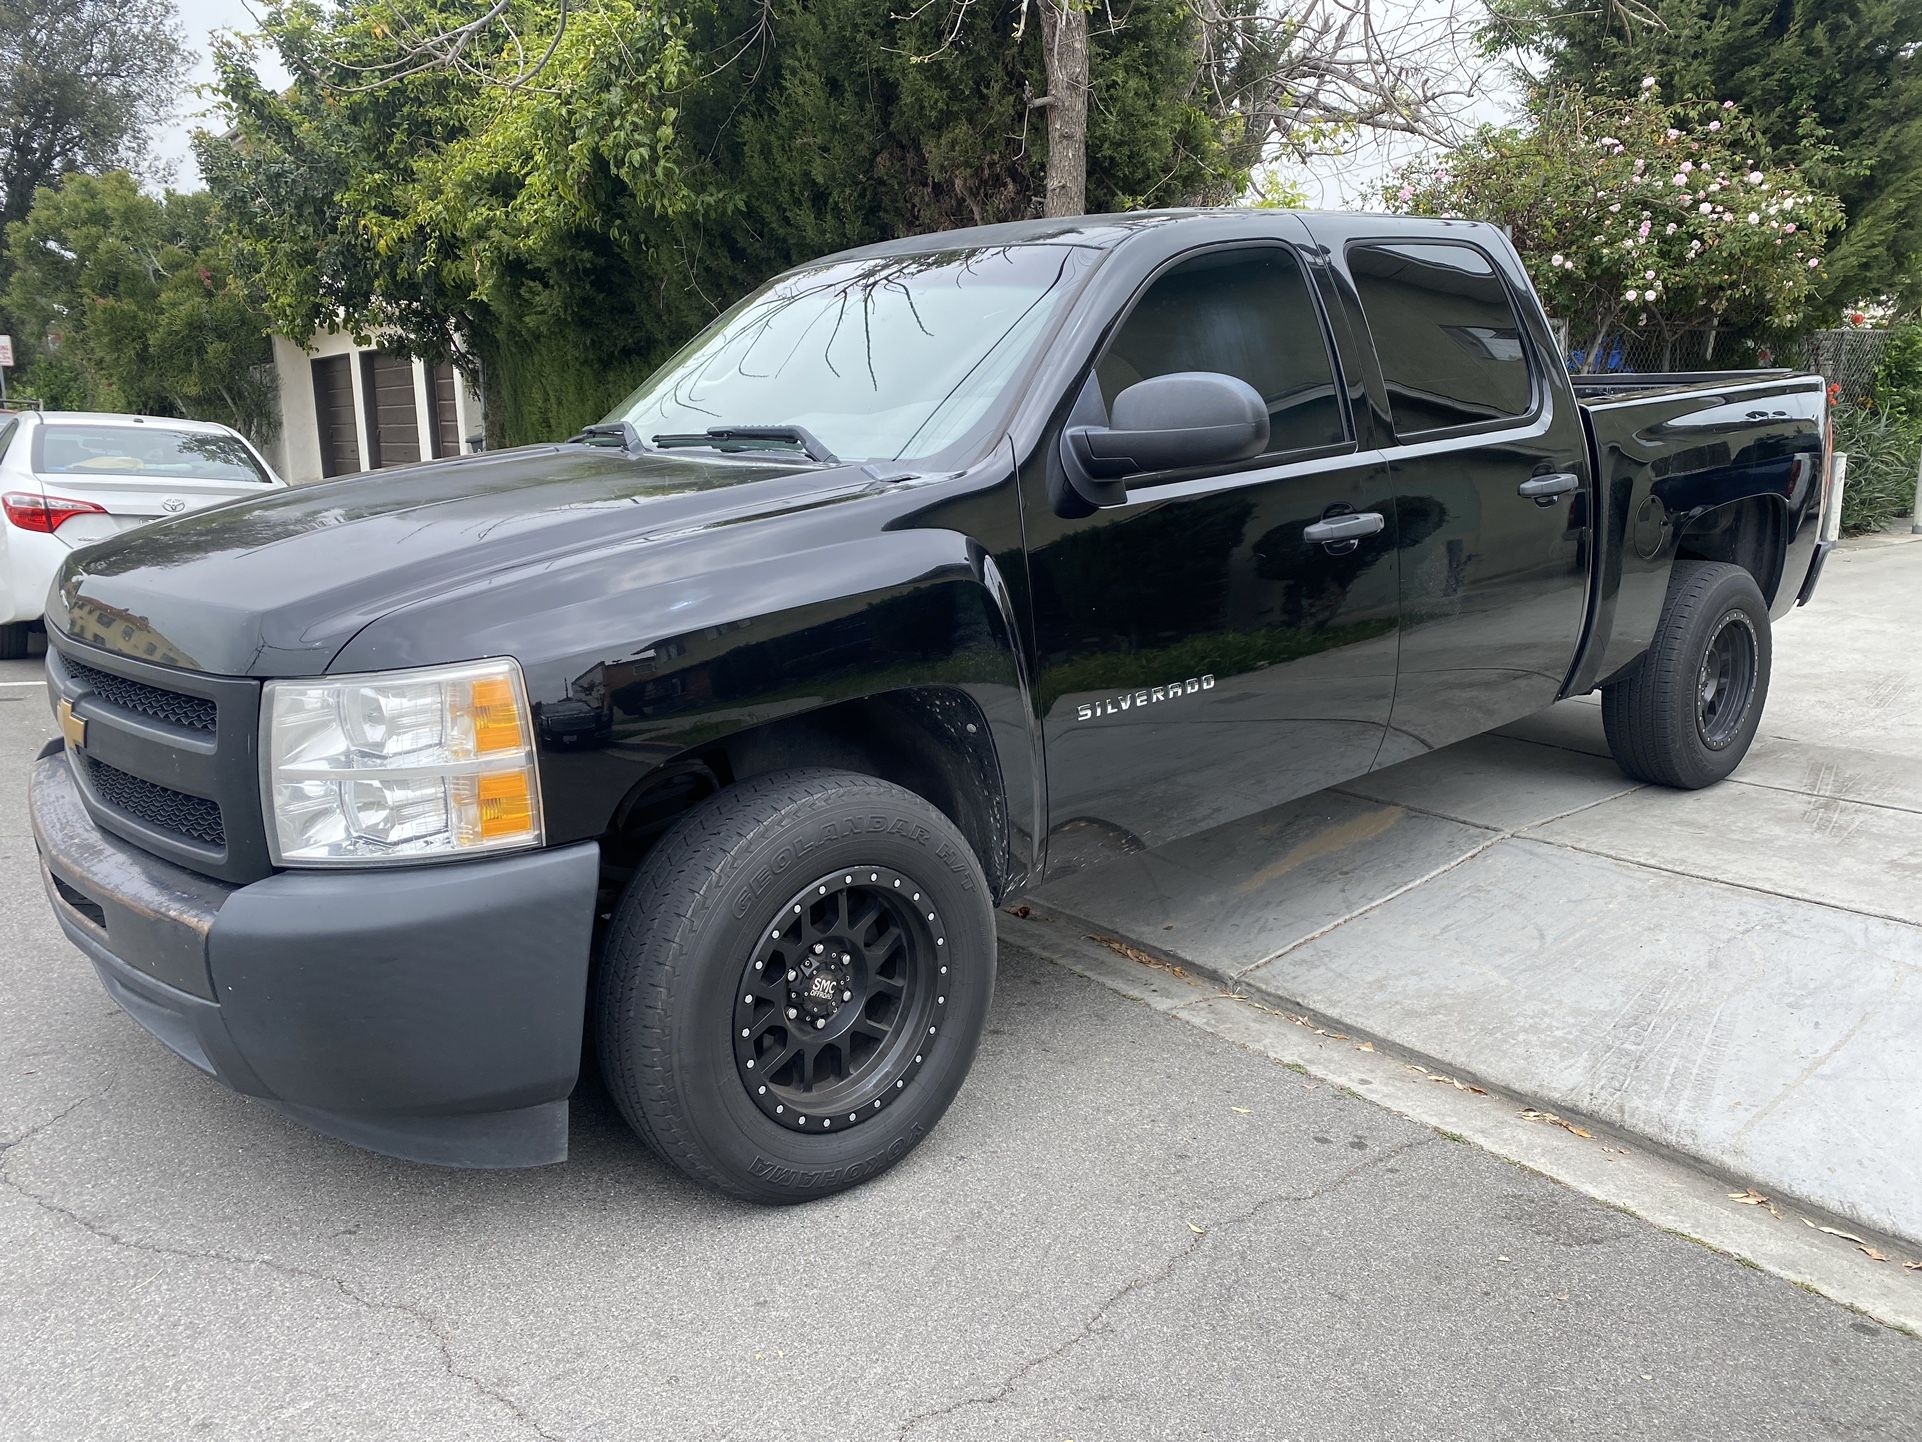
(73, 727)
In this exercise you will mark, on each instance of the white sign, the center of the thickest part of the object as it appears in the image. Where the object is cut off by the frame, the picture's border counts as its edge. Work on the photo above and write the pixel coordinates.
(6, 350)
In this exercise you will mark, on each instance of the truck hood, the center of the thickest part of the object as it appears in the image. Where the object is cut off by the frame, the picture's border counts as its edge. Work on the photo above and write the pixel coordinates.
(276, 585)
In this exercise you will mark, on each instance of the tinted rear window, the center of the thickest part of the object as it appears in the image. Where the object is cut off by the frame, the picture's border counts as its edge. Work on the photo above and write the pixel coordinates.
(152, 451)
(1445, 334)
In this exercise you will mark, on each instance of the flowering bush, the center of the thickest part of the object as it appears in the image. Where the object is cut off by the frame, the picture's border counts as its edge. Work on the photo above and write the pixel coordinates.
(1638, 214)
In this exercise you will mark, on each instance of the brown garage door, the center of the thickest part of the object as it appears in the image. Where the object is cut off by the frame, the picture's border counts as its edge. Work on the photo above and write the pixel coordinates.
(334, 411)
(393, 425)
(441, 411)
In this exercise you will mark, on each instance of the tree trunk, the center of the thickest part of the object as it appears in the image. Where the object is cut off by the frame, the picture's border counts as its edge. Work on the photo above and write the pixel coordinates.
(1064, 40)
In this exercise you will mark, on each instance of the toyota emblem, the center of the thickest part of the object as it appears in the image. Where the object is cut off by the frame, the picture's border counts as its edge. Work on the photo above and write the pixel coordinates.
(173, 505)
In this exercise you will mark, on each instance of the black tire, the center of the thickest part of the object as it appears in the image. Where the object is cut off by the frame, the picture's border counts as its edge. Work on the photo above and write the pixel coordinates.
(1686, 714)
(685, 964)
(15, 640)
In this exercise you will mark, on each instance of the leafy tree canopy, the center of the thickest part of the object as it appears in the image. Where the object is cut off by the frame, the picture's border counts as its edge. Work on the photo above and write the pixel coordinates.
(133, 307)
(81, 84)
(566, 230)
(1833, 85)
(1641, 215)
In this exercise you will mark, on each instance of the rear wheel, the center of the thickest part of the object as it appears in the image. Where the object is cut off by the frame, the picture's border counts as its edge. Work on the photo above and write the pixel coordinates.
(1687, 713)
(795, 982)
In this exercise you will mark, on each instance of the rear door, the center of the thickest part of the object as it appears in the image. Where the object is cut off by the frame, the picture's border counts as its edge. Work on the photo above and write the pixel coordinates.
(139, 472)
(1198, 656)
(1490, 479)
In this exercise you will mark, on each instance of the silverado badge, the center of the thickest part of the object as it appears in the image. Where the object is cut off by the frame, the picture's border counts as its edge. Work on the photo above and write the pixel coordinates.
(1147, 696)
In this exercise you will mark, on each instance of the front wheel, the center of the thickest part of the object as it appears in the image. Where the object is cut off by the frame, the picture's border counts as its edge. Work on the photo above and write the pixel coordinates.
(16, 640)
(1686, 714)
(795, 982)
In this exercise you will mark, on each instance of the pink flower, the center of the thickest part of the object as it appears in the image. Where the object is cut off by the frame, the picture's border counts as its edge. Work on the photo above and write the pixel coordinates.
(1615, 208)
(1755, 177)
(1648, 275)
(1673, 133)
(1728, 105)
(1608, 140)
(1754, 218)
(1789, 229)
(1671, 228)
(1715, 125)
(1643, 231)
(1705, 207)
(1648, 82)
(1680, 180)
(1557, 260)
(1405, 194)
(1687, 166)
(1632, 295)
(1814, 261)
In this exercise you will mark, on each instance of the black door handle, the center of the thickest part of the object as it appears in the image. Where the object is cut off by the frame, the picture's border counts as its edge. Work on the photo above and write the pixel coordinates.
(1348, 526)
(1543, 489)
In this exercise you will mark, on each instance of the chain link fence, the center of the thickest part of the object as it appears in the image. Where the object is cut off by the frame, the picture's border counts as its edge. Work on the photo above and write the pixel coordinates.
(1846, 357)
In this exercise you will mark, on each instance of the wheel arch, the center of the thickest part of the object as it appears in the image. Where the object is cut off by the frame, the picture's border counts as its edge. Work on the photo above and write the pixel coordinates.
(1752, 532)
(933, 740)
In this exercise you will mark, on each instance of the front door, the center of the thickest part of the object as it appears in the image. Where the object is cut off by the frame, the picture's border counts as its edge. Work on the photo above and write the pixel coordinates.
(1491, 474)
(1198, 657)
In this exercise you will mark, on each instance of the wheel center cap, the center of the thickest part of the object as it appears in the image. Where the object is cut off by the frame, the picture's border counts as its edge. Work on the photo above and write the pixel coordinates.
(823, 984)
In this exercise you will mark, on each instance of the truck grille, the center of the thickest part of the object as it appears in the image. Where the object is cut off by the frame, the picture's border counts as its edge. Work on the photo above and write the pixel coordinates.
(168, 759)
(158, 806)
(195, 713)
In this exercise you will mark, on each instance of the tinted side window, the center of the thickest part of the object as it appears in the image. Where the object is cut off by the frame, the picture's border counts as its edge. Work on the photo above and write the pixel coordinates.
(1246, 313)
(7, 433)
(1445, 333)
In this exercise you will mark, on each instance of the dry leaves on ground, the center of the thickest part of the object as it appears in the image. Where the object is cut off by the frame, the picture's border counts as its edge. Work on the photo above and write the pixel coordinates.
(1529, 1115)
(1446, 1080)
(1136, 954)
(1753, 1198)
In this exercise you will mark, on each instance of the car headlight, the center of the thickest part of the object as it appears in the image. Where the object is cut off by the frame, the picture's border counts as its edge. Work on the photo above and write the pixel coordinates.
(400, 766)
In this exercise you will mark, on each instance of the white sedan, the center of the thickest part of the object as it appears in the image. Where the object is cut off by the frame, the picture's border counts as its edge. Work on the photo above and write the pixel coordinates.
(71, 478)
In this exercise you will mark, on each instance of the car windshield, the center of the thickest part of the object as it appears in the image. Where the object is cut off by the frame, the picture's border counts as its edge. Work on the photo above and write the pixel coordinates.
(879, 359)
(145, 450)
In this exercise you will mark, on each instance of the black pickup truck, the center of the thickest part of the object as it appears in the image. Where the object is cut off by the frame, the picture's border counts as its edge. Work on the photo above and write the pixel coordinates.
(706, 743)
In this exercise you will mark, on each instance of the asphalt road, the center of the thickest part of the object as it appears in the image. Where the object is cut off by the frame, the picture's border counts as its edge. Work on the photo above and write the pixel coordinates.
(1127, 1228)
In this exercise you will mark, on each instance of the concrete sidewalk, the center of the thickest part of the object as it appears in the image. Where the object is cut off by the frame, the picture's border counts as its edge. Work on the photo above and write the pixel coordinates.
(1735, 973)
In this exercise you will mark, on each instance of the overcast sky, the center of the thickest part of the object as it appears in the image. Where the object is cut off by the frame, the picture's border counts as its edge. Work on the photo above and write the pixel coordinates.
(199, 18)
(1345, 182)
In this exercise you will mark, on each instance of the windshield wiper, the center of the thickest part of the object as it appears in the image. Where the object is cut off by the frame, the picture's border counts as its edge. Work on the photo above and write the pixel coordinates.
(720, 437)
(618, 433)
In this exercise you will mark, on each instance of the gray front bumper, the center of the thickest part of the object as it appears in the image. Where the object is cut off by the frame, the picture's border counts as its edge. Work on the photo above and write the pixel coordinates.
(433, 1013)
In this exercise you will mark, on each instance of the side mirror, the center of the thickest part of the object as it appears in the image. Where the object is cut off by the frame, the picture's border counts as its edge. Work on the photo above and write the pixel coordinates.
(1188, 418)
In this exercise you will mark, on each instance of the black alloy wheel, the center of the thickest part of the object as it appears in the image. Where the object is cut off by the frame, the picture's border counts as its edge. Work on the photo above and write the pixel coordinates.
(1686, 712)
(780, 1044)
(842, 1003)
(1725, 687)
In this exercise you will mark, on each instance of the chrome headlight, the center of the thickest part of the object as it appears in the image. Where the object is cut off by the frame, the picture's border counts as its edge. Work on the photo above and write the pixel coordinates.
(400, 766)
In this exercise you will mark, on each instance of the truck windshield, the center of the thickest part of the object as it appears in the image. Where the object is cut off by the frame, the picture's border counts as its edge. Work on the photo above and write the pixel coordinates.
(880, 359)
